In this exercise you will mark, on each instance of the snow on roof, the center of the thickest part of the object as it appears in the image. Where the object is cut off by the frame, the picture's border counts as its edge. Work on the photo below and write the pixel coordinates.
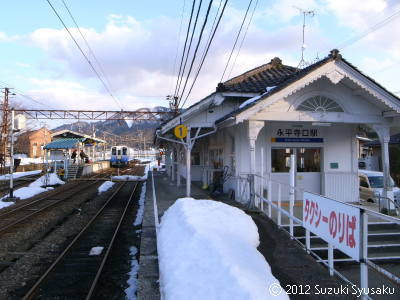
(208, 250)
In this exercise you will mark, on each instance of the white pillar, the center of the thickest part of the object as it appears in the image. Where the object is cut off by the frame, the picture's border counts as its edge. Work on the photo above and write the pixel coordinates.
(188, 163)
(384, 137)
(178, 161)
(173, 165)
(253, 131)
(292, 191)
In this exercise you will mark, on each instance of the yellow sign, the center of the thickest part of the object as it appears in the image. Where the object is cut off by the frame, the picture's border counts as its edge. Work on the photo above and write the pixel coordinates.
(180, 131)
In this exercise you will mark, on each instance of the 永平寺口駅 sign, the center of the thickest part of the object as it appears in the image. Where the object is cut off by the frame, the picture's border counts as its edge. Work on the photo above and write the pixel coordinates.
(335, 222)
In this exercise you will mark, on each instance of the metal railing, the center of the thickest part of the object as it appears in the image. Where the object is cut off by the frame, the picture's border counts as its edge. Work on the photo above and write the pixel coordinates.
(388, 202)
(258, 191)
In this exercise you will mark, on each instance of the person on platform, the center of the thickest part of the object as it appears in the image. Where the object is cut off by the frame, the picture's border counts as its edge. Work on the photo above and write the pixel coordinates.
(73, 155)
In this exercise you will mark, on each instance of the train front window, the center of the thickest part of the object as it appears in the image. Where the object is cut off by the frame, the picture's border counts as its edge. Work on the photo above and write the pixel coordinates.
(113, 151)
(124, 151)
(119, 152)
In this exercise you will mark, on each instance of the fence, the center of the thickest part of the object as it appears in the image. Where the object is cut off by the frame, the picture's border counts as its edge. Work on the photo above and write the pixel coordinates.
(286, 213)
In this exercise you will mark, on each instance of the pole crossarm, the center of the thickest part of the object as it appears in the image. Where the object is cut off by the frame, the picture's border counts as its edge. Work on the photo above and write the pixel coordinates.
(137, 115)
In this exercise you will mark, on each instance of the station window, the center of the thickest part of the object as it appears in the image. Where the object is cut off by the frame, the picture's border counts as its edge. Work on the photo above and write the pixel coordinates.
(308, 159)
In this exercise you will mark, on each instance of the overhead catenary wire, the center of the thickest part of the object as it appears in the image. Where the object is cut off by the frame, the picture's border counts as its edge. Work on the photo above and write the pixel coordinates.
(87, 43)
(184, 47)
(370, 30)
(243, 39)
(188, 50)
(236, 40)
(85, 56)
(178, 42)
(197, 47)
(209, 42)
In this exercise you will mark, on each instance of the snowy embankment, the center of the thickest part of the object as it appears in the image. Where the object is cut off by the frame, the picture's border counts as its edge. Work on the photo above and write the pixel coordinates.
(130, 292)
(208, 250)
(34, 188)
(105, 187)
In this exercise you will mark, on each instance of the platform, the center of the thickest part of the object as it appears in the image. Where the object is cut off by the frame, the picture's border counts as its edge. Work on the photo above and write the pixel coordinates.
(290, 264)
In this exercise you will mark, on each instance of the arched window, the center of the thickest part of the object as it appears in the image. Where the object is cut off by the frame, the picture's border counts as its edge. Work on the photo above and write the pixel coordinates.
(320, 104)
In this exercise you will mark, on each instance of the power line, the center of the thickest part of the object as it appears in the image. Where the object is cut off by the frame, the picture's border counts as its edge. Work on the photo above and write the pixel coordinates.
(188, 50)
(244, 37)
(206, 51)
(84, 55)
(19, 92)
(184, 47)
(87, 43)
(237, 37)
(179, 39)
(197, 47)
(370, 30)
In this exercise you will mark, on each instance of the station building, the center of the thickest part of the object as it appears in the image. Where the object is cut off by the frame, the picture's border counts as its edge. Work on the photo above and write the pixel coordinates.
(252, 123)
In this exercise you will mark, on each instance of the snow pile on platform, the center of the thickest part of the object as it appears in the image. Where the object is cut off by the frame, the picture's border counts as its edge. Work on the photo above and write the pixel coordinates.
(105, 186)
(20, 174)
(208, 250)
(52, 179)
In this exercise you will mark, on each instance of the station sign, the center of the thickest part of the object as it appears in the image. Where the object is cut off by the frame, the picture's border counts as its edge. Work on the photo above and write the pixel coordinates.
(335, 222)
(180, 131)
(297, 135)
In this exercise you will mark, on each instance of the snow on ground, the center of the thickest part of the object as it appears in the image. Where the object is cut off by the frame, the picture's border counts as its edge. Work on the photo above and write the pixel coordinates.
(5, 204)
(52, 179)
(33, 189)
(28, 192)
(105, 186)
(20, 174)
(139, 214)
(96, 251)
(208, 250)
(127, 177)
(130, 292)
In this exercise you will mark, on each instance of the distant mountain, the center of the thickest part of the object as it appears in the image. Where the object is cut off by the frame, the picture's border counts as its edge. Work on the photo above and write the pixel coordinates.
(130, 132)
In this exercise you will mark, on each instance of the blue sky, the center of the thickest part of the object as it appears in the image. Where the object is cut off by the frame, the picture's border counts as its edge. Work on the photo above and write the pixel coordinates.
(136, 43)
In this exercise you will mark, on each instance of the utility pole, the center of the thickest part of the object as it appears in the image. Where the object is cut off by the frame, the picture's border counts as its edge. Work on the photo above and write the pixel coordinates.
(173, 104)
(4, 131)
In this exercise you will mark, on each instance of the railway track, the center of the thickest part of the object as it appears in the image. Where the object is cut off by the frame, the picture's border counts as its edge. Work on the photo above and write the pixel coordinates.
(14, 218)
(75, 274)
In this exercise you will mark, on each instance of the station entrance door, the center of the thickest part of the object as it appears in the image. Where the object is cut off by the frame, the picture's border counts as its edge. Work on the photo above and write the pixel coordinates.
(308, 172)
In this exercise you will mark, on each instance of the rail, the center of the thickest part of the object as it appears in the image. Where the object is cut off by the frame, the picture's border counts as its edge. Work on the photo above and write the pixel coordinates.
(257, 191)
(34, 212)
(34, 289)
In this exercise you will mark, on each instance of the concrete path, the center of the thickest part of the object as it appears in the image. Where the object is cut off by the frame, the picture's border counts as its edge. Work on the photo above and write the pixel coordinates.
(289, 263)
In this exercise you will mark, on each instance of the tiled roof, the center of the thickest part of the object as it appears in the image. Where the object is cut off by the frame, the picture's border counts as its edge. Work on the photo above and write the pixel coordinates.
(288, 80)
(258, 79)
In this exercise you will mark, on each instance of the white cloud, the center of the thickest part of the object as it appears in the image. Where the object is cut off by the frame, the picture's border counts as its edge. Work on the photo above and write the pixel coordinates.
(356, 15)
(138, 56)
